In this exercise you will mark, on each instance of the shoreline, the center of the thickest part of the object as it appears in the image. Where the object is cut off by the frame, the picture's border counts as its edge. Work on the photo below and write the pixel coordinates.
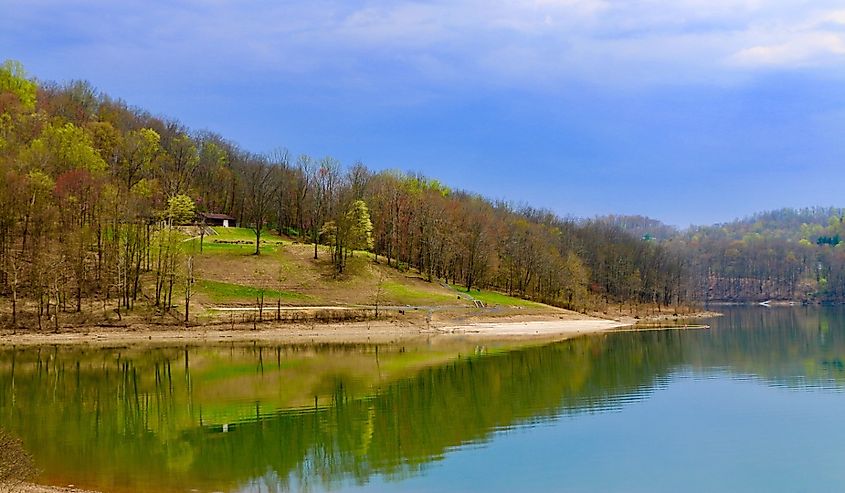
(378, 332)
(552, 326)
(40, 488)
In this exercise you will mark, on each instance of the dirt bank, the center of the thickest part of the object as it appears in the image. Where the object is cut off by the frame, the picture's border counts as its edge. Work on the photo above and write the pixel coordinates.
(357, 332)
(36, 488)
(552, 325)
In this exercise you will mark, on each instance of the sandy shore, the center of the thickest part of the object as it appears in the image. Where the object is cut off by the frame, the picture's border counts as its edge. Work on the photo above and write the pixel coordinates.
(532, 328)
(358, 332)
(558, 324)
(37, 488)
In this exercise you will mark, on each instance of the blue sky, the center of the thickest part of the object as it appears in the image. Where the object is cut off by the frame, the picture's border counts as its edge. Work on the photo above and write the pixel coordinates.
(689, 111)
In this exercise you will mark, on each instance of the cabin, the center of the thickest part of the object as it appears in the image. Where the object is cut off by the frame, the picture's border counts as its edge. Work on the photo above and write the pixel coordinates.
(210, 219)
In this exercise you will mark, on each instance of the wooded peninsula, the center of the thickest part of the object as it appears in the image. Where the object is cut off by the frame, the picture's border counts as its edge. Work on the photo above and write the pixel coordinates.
(109, 213)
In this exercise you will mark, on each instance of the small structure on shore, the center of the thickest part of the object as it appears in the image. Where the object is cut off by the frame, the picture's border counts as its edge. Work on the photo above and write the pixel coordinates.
(211, 219)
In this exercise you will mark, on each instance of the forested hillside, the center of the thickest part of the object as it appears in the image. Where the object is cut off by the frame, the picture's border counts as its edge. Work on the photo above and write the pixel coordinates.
(788, 254)
(95, 195)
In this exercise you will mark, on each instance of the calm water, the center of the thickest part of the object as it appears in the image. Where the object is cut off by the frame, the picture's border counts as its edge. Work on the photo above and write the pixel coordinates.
(754, 404)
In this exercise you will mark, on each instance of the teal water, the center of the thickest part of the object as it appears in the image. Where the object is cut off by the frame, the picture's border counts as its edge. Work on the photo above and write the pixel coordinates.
(753, 404)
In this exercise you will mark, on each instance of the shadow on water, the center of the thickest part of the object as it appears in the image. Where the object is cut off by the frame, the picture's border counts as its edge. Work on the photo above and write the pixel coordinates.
(222, 417)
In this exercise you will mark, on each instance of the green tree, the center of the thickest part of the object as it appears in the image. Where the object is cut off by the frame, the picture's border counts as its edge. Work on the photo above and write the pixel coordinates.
(62, 148)
(13, 80)
(360, 227)
(139, 150)
(180, 209)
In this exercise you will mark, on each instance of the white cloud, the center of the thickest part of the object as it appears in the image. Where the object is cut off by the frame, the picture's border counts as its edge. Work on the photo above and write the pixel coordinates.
(812, 48)
(816, 39)
(833, 17)
(457, 41)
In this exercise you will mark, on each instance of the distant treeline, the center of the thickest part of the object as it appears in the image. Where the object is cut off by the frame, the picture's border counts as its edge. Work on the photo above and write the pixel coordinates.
(788, 254)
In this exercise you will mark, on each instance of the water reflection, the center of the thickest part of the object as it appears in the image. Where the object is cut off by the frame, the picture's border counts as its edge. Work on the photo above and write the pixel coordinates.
(232, 418)
(799, 347)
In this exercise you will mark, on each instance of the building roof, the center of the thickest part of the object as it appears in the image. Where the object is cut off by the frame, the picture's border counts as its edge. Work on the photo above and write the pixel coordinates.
(209, 215)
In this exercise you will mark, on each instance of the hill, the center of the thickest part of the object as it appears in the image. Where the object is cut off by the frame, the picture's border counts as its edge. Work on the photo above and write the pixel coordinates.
(99, 200)
(290, 284)
(787, 254)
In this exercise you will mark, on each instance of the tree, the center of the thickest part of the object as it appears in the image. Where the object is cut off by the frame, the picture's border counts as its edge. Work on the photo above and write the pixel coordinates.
(13, 80)
(261, 183)
(180, 209)
(178, 163)
(303, 185)
(324, 182)
(575, 278)
(13, 271)
(189, 284)
(360, 227)
(61, 148)
(137, 154)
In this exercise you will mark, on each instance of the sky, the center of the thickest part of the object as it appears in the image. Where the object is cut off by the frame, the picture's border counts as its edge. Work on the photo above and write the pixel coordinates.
(688, 111)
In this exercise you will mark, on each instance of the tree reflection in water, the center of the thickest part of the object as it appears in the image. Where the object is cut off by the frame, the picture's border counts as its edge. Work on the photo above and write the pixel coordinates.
(221, 417)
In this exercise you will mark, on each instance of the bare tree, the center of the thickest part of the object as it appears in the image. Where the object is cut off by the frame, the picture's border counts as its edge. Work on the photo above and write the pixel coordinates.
(13, 269)
(189, 284)
(261, 183)
(325, 181)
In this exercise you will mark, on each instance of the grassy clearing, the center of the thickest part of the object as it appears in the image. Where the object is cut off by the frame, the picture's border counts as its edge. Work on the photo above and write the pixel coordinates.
(242, 234)
(234, 241)
(222, 292)
(405, 294)
(290, 268)
(215, 248)
(494, 298)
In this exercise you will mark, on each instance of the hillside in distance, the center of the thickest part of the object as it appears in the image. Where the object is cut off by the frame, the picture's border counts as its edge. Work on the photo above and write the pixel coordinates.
(786, 254)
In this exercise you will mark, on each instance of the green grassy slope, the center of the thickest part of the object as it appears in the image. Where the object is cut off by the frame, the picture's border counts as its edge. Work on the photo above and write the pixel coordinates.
(228, 274)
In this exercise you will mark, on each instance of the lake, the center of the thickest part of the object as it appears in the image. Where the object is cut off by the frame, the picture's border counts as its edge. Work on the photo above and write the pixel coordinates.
(753, 404)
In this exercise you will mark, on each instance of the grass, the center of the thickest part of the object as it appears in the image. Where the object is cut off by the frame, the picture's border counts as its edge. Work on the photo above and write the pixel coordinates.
(214, 248)
(242, 234)
(495, 298)
(411, 295)
(229, 262)
(235, 241)
(221, 292)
